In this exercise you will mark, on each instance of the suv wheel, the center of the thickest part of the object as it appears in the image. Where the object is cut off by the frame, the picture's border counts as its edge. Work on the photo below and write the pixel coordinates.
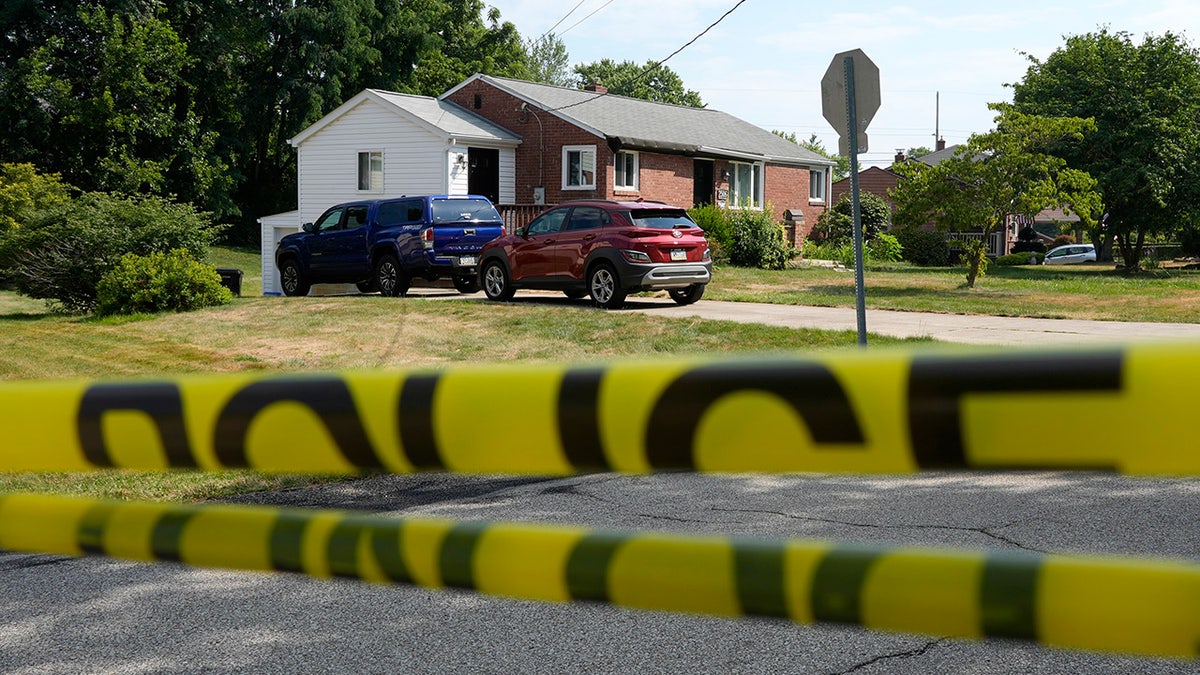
(392, 280)
(496, 285)
(686, 296)
(575, 293)
(466, 285)
(292, 279)
(604, 286)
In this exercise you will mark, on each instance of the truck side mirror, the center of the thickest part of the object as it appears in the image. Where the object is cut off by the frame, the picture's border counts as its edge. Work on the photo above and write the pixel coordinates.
(309, 227)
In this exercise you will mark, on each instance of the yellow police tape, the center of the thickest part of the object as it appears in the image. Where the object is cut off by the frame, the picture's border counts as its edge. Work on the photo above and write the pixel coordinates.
(1107, 604)
(840, 412)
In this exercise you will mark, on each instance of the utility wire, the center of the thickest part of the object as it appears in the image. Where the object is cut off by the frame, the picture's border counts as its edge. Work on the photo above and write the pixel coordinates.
(586, 17)
(646, 72)
(551, 29)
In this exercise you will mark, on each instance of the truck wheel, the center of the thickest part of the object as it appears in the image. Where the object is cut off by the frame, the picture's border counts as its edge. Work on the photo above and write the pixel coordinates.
(466, 285)
(686, 296)
(496, 285)
(292, 279)
(605, 287)
(393, 281)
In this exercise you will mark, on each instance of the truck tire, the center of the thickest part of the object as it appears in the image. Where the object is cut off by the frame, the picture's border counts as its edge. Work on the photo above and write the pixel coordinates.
(496, 285)
(605, 287)
(292, 280)
(688, 295)
(392, 280)
(466, 285)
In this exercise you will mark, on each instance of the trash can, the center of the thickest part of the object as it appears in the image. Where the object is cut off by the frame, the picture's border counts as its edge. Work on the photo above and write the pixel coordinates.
(231, 278)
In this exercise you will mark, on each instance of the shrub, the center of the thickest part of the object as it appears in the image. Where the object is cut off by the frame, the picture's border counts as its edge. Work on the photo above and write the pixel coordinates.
(1062, 240)
(837, 224)
(885, 248)
(758, 240)
(715, 223)
(1026, 246)
(923, 247)
(23, 192)
(159, 282)
(1017, 259)
(62, 253)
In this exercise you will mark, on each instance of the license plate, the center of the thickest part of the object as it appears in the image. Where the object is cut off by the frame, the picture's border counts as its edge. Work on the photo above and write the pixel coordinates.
(678, 254)
(467, 260)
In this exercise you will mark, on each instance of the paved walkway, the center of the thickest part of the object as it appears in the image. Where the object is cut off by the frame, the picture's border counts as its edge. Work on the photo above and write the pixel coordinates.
(973, 329)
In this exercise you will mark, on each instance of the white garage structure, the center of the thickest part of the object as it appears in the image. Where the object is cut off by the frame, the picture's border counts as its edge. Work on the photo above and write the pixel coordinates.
(381, 144)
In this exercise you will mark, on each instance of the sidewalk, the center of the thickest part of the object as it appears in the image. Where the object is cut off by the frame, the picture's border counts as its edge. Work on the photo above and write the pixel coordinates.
(970, 329)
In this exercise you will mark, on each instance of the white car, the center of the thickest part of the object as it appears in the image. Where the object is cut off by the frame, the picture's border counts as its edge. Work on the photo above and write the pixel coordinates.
(1069, 254)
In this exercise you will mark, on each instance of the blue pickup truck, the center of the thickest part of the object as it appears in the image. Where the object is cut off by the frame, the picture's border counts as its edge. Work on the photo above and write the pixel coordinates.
(383, 245)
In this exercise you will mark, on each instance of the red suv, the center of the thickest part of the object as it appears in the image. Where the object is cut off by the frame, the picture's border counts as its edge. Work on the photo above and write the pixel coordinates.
(603, 248)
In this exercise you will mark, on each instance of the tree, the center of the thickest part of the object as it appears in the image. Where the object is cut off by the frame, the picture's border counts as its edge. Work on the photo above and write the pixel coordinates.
(652, 82)
(995, 175)
(1145, 152)
(547, 61)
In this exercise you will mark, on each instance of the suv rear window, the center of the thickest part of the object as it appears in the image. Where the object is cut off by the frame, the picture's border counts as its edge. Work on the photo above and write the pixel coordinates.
(458, 210)
(663, 220)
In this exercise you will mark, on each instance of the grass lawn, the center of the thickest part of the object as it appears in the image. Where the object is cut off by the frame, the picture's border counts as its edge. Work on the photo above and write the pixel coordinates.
(1061, 292)
(276, 334)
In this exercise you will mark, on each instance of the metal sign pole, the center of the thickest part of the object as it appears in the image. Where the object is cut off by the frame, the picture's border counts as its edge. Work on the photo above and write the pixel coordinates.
(852, 117)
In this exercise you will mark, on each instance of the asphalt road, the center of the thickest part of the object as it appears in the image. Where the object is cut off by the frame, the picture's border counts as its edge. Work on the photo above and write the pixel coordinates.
(60, 615)
(94, 615)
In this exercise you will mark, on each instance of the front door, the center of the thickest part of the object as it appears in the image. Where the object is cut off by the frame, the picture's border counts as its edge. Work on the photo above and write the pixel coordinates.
(483, 173)
(702, 176)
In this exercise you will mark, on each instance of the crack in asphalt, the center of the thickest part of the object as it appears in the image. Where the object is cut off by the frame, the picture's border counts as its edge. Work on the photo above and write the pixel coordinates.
(21, 561)
(920, 651)
(986, 531)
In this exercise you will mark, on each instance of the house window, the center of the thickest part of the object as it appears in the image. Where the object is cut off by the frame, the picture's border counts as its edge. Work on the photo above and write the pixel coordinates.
(626, 174)
(745, 185)
(579, 167)
(370, 170)
(816, 185)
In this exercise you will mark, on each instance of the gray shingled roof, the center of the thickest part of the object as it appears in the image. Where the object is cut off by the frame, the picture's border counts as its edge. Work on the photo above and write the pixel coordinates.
(637, 124)
(447, 116)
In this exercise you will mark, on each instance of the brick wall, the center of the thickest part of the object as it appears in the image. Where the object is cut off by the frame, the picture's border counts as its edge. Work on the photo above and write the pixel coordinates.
(661, 177)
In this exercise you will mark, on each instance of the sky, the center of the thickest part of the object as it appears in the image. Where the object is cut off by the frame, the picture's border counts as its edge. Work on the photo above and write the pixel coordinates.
(940, 63)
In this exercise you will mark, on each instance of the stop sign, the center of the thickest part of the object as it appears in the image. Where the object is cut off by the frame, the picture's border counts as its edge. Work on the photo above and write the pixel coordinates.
(834, 101)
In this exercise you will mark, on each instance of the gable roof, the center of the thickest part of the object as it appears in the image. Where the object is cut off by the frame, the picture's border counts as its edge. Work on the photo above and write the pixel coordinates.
(442, 118)
(637, 124)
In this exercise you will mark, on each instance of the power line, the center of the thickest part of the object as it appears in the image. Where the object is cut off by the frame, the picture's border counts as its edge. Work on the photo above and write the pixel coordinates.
(657, 64)
(586, 17)
(551, 29)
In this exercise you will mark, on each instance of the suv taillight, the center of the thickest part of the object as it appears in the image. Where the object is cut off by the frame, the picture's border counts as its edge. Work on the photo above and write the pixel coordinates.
(427, 238)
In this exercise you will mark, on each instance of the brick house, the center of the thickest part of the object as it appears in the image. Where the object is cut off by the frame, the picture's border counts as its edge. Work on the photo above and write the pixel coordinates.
(582, 144)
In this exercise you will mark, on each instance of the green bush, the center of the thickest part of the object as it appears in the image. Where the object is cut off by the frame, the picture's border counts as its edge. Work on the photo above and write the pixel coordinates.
(1018, 259)
(884, 248)
(61, 253)
(715, 223)
(160, 282)
(837, 224)
(923, 247)
(758, 240)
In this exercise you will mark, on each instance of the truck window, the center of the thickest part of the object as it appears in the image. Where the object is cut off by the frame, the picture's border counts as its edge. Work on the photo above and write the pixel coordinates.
(401, 212)
(459, 210)
(356, 216)
(330, 220)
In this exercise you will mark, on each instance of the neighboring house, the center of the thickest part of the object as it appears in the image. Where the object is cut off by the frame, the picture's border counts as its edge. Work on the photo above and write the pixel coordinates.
(526, 145)
(875, 180)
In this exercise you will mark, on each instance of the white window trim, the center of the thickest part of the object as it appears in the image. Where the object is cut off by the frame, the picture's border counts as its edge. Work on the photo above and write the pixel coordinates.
(566, 166)
(824, 186)
(637, 170)
(370, 174)
(759, 190)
